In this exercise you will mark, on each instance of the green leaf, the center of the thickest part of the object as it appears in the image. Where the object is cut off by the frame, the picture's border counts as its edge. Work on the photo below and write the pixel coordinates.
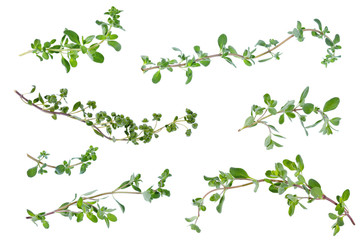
(331, 104)
(98, 133)
(83, 49)
(32, 171)
(147, 196)
(191, 219)
(80, 217)
(308, 108)
(232, 50)
(116, 46)
(33, 89)
(249, 121)
(122, 207)
(89, 39)
(76, 106)
(30, 213)
(230, 61)
(261, 43)
(157, 77)
(60, 169)
(247, 62)
(281, 119)
(256, 183)
(238, 173)
(336, 230)
(332, 216)
(72, 36)
(316, 192)
(97, 57)
(299, 162)
(100, 37)
(346, 195)
(73, 62)
(215, 197)
(195, 228)
(329, 42)
(313, 183)
(196, 48)
(289, 164)
(80, 202)
(205, 62)
(304, 95)
(45, 224)
(66, 64)
(335, 121)
(222, 40)
(336, 39)
(89, 193)
(112, 217)
(92, 217)
(291, 209)
(189, 75)
(318, 23)
(219, 206)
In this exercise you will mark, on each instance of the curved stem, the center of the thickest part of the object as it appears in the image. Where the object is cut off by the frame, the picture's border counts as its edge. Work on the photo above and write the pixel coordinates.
(237, 55)
(259, 120)
(64, 114)
(51, 166)
(86, 198)
(324, 197)
(97, 129)
(69, 49)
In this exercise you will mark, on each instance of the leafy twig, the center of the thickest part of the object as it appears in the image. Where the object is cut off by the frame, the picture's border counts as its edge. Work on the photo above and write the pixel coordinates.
(71, 44)
(101, 120)
(89, 205)
(187, 62)
(66, 167)
(290, 110)
(279, 182)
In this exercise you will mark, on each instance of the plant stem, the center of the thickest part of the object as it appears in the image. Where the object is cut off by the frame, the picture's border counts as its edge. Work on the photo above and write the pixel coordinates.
(324, 197)
(25, 100)
(86, 198)
(264, 117)
(236, 55)
(68, 49)
(40, 162)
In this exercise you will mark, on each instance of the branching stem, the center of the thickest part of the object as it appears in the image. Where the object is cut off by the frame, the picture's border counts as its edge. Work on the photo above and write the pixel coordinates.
(237, 55)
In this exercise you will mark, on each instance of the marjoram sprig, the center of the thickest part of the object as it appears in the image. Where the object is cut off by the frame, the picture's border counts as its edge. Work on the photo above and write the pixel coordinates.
(279, 182)
(71, 45)
(289, 111)
(187, 62)
(84, 160)
(104, 124)
(88, 204)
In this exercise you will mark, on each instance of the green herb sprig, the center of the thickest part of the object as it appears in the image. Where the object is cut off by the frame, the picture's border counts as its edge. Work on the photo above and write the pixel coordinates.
(87, 205)
(289, 111)
(85, 161)
(279, 182)
(70, 44)
(248, 56)
(55, 104)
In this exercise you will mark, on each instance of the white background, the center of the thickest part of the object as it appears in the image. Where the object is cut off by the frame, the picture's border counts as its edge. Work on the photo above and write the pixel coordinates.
(220, 94)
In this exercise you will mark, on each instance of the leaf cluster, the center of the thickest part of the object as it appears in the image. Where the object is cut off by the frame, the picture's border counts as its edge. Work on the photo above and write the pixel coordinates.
(56, 104)
(289, 111)
(71, 44)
